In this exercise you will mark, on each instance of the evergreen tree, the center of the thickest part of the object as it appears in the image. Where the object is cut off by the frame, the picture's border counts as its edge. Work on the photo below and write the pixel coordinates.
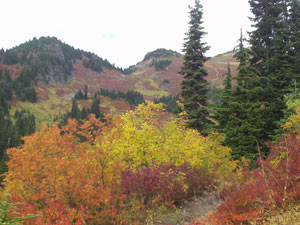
(194, 86)
(274, 54)
(11, 133)
(95, 106)
(83, 114)
(78, 95)
(85, 92)
(295, 36)
(170, 103)
(240, 113)
(222, 111)
(75, 109)
(228, 78)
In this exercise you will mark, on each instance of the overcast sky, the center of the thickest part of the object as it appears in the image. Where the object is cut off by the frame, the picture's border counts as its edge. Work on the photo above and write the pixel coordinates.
(122, 31)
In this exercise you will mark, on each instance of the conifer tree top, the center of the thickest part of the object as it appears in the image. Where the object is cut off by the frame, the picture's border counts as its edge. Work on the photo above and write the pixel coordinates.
(194, 86)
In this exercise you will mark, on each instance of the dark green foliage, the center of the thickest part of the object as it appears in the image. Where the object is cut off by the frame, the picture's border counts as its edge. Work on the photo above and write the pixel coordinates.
(109, 93)
(81, 114)
(128, 71)
(48, 55)
(295, 37)
(170, 103)
(5, 91)
(248, 113)
(161, 64)
(2, 52)
(8, 214)
(85, 92)
(132, 97)
(95, 106)
(10, 58)
(160, 53)
(74, 109)
(274, 43)
(165, 81)
(78, 95)
(11, 133)
(194, 86)
(82, 95)
(241, 111)
(96, 63)
(40, 55)
(223, 111)
(25, 122)
(45, 59)
(212, 94)
(23, 86)
(29, 94)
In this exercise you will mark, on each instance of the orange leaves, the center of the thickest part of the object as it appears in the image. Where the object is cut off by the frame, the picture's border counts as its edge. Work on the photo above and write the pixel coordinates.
(54, 167)
(72, 175)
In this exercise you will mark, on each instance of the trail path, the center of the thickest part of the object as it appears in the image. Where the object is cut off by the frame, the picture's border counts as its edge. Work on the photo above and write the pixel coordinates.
(195, 208)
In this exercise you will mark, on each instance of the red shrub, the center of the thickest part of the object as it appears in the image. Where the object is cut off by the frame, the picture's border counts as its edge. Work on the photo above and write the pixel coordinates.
(274, 184)
(166, 184)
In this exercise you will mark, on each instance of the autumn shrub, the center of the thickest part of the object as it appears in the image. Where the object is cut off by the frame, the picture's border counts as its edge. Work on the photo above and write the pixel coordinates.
(73, 174)
(273, 186)
(55, 167)
(141, 139)
(168, 184)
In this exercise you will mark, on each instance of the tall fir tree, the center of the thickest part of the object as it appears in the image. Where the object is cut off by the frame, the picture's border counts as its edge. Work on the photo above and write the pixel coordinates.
(85, 92)
(274, 54)
(294, 22)
(95, 106)
(74, 110)
(194, 86)
(222, 109)
(240, 114)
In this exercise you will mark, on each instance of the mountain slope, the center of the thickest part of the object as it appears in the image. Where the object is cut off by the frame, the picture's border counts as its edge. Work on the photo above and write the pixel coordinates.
(57, 71)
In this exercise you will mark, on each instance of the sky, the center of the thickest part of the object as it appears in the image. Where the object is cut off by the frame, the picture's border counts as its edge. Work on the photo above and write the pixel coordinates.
(122, 31)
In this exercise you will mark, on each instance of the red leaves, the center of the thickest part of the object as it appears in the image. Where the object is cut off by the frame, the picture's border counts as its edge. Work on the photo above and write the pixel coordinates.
(168, 184)
(276, 183)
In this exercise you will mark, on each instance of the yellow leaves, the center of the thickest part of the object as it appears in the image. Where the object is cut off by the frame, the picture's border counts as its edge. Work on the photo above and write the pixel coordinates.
(54, 164)
(294, 121)
(287, 125)
(141, 139)
(277, 160)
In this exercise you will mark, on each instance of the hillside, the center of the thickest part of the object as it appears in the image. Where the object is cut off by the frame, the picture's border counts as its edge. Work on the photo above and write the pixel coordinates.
(56, 71)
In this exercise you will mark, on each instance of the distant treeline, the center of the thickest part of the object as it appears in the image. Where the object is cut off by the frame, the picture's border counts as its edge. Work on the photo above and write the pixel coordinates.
(81, 114)
(135, 98)
(170, 103)
(11, 131)
(161, 53)
(21, 86)
(160, 64)
(132, 97)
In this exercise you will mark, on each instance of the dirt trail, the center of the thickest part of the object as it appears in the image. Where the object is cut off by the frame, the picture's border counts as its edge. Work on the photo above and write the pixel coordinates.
(195, 208)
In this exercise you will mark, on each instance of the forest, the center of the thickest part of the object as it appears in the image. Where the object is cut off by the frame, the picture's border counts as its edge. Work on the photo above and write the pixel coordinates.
(135, 167)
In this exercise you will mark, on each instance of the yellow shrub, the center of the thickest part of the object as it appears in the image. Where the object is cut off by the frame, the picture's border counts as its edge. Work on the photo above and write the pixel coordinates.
(140, 138)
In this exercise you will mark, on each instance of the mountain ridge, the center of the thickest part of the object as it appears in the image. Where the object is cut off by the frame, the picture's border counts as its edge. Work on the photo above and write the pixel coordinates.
(56, 77)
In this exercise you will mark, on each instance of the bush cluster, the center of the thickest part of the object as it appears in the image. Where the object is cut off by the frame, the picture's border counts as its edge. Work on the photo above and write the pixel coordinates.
(274, 185)
(96, 173)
